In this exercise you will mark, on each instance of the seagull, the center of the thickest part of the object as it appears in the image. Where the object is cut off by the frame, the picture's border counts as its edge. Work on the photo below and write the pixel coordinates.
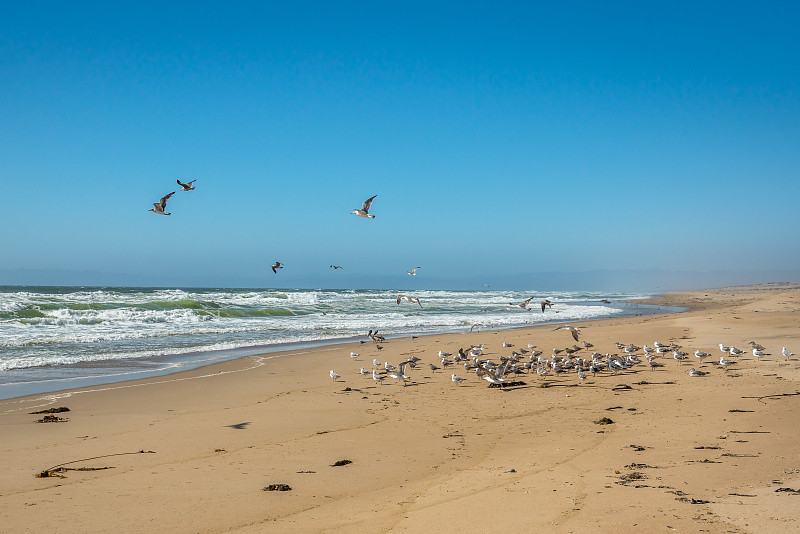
(161, 205)
(275, 266)
(443, 354)
(376, 376)
(700, 354)
(413, 272)
(787, 353)
(574, 331)
(354, 355)
(334, 267)
(757, 353)
(456, 379)
(679, 357)
(725, 363)
(400, 374)
(735, 352)
(334, 375)
(364, 371)
(471, 328)
(433, 367)
(376, 362)
(186, 187)
(546, 303)
(522, 305)
(755, 345)
(364, 211)
(695, 372)
(507, 344)
(723, 348)
(409, 299)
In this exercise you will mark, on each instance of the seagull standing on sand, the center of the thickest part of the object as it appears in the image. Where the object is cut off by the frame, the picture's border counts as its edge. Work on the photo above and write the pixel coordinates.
(161, 205)
(701, 355)
(376, 376)
(354, 355)
(787, 353)
(694, 372)
(725, 363)
(334, 375)
(413, 272)
(275, 266)
(364, 211)
(408, 299)
(757, 353)
(456, 379)
(187, 187)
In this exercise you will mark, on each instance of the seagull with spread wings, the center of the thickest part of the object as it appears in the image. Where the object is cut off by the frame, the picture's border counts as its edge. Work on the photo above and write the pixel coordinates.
(401, 298)
(522, 305)
(364, 211)
(161, 206)
(187, 186)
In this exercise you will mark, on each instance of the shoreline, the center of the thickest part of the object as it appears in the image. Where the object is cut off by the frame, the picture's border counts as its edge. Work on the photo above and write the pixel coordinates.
(177, 363)
(681, 453)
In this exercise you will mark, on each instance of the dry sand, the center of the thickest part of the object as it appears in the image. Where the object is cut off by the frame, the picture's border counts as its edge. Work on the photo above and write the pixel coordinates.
(432, 456)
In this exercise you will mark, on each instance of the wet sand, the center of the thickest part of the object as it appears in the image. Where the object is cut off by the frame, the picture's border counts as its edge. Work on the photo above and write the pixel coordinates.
(683, 454)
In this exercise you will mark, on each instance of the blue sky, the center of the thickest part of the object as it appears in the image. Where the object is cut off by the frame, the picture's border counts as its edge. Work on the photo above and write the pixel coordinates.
(500, 138)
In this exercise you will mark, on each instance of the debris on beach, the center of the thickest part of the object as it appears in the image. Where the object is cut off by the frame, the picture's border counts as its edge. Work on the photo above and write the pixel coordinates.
(52, 419)
(788, 490)
(278, 487)
(341, 463)
(627, 478)
(60, 409)
(604, 421)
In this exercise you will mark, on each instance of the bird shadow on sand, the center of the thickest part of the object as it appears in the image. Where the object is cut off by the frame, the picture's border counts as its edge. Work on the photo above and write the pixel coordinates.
(239, 426)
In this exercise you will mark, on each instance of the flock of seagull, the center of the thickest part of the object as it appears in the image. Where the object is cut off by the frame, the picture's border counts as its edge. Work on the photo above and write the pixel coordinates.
(498, 372)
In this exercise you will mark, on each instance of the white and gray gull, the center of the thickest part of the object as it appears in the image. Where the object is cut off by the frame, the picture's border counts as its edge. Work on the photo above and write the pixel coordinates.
(161, 205)
(364, 211)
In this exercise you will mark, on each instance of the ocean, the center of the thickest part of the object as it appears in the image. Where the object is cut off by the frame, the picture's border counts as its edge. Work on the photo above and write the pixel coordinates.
(54, 338)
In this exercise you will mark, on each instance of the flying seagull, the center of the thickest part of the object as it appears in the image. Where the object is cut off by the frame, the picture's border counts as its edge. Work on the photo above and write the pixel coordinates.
(546, 303)
(334, 267)
(161, 205)
(364, 211)
(413, 272)
(188, 186)
(574, 331)
(409, 299)
(275, 266)
(523, 305)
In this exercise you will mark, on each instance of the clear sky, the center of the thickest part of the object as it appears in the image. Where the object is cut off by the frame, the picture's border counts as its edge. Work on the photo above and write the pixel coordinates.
(500, 137)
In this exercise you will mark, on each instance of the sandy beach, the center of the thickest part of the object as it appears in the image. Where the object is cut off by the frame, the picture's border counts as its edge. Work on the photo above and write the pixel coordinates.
(194, 451)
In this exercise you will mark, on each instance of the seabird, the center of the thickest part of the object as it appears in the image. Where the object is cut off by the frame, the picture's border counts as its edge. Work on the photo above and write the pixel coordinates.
(522, 305)
(694, 372)
(757, 353)
(787, 353)
(546, 303)
(186, 187)
(334, 267)
(574, 331)
(354, 355)
(334, 375)
(725, 363)
(161, 205)
(433, 367)
(376, 376)
(700, 354)
(456, 379)
(735, 352)
(413, 272)
(409, 299)
(275, 266)
(364, 211)
(471, 328)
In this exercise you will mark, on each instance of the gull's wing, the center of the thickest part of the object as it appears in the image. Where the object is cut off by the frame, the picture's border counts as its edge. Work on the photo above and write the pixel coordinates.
(399, 298)
(367, 203)
(526, 301)
(190, 183)
(163, 201)
(575, 333)
(182, 184)
(544, 304)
